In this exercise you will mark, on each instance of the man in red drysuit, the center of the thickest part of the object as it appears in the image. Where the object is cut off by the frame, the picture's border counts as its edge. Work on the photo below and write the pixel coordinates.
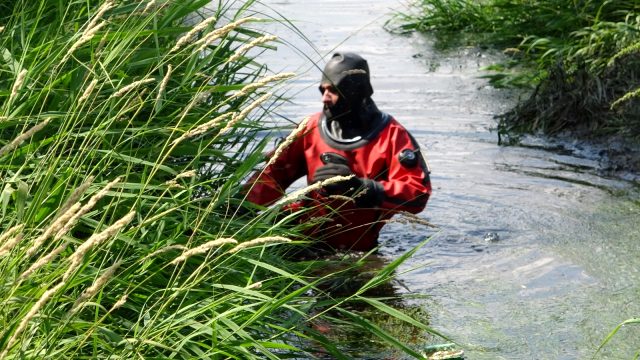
(349, 138)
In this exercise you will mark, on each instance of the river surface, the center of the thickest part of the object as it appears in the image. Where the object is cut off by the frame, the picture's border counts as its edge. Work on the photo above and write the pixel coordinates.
(536, 255)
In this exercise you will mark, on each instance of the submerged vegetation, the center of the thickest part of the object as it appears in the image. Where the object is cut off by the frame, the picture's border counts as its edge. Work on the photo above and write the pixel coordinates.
(125, 130)
(581, 58)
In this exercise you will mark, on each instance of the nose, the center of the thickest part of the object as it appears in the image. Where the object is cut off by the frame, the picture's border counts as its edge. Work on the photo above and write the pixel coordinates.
(326, 96)
(329, 97)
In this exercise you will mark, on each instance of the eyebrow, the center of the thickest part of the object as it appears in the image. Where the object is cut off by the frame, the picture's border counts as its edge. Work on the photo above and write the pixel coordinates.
(327, 87)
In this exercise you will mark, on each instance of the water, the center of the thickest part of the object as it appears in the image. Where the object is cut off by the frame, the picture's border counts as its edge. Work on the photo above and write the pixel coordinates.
(536, 256)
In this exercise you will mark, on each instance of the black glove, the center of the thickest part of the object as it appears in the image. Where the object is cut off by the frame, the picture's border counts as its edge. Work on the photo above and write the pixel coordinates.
(366, 192)
(330, 170)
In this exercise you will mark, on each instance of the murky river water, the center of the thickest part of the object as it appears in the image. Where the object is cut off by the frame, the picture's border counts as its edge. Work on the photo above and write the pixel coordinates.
(536, 256)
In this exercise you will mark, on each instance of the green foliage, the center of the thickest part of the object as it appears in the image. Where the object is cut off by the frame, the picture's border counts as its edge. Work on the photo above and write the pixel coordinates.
(614, 332)
(125, 131)
(579, 56)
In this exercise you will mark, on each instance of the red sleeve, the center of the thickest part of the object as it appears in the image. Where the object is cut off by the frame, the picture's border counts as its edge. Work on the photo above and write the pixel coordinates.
(269, 184)
(408, 186)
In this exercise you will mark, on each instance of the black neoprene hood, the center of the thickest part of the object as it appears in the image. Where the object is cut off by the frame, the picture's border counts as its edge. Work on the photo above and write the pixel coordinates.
(349, 74)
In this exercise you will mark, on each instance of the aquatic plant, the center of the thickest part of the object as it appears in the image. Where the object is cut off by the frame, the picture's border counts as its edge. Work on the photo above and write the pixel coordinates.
(580, 57)
(125, 130)
(614, 332)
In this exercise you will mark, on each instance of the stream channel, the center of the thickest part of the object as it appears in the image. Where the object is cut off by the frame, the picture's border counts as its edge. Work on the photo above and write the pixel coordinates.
(536, 255)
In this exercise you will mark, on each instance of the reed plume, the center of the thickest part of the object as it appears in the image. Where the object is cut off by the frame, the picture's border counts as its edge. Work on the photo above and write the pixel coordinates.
(130, 87)
(243, 114)
(22, 137)
(260, 241)
(92, 290)
(247, 89)
(256, 42)
(189, 36)
(27, 318)
(288, 140)
(86, 208)
(218, 33)
(55, 227)
(95, 240)
(203, 249)
(17, 85)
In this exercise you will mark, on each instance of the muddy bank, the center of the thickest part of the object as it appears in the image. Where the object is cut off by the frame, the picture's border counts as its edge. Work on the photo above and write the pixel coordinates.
(606, 156)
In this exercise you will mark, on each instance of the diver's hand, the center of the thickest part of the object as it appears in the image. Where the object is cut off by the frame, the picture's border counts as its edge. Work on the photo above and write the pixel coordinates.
(330, 170)
(366, 192)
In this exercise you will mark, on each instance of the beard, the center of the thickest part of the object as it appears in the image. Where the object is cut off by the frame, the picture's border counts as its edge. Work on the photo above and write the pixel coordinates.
(339, 112)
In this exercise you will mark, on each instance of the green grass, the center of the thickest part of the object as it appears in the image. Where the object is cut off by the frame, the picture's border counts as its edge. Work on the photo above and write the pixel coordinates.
(578, 57)
(631, 322)
(121, 149)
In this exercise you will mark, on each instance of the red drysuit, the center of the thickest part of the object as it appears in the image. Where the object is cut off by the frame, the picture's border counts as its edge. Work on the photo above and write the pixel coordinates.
(405, 185)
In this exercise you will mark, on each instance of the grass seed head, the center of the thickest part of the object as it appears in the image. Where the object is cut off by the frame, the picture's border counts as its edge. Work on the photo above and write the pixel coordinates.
(247, 89)
(95, 240)
(23, 137)
(17, 85)
(27, 318)
(242, 50)
(92, 290)
(201, 129)
(86, 36)
(119, 303)
(106, 6)
(203, 249)
(218, 33)
(9, 233)
(164, 250)
(243, 114)
(86, 208)
(10, 244)
(299, 194)
(87, 92)
(130, 87)
(150, 5)
(164, 82)
(76, 194)
(189, 36)
(59, 223)
(288, 140)
(260, 241)
(43, 261)
(255, 285)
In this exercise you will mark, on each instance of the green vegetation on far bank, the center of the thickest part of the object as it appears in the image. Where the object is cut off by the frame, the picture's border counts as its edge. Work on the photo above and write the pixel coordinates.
(580, 58)
(126, 129)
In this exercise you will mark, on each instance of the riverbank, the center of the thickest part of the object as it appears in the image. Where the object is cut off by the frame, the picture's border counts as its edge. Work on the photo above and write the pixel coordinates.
(579, 60)
(606, 156)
